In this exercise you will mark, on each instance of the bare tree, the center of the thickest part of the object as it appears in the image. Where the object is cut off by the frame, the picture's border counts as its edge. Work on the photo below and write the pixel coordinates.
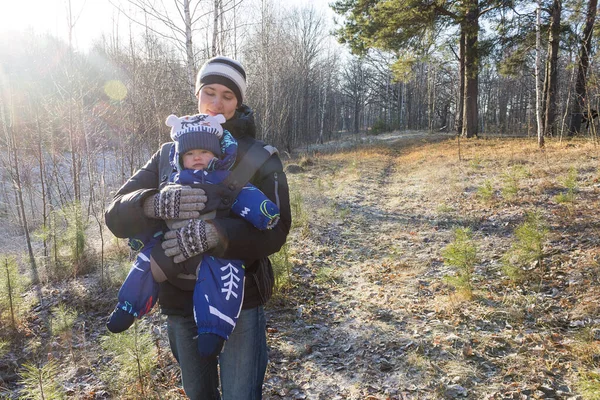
(355, 78)
(7, 123)
(579, 103)
(538, 63)
(550, 95)
(71, 22)
(193, 18)
(179, 32)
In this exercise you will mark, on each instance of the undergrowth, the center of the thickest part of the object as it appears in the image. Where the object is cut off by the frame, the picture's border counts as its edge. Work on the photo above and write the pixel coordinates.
(526, 254)
(340, 231)
(462, 255)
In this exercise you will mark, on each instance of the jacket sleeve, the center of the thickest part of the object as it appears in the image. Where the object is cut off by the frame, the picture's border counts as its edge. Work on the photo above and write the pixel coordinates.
(125, 214)
(238, 239)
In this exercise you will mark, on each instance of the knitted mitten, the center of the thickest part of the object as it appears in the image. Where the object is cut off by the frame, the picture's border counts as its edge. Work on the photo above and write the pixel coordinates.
(175, 202)
(195, 238)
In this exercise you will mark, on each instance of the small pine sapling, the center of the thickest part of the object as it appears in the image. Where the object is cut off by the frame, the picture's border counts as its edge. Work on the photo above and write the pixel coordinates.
(588, 385)
(63, 319)
(512, 181)
(282, 267)
(11, 287)
(4, 346)
(75, 235)
(299, 215)
(486, 191)
(569, 182)
(135, 356)
(41, 381)
(61, 323)
(527, 251)
(462, 255)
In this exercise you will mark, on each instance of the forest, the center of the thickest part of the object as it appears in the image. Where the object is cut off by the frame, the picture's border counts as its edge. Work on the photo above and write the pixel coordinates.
(77, 121)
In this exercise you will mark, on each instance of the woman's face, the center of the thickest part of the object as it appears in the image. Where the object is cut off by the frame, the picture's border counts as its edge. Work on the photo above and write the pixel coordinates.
(216, 99)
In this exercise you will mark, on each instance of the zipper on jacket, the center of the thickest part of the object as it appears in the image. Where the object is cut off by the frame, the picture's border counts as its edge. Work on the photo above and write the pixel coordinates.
(276, 189)
(260, 294)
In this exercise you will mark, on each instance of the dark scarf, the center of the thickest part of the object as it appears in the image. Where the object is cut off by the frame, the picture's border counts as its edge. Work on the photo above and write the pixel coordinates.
(242, 123)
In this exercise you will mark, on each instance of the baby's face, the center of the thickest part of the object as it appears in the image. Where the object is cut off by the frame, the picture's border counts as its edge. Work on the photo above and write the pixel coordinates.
(197, 159)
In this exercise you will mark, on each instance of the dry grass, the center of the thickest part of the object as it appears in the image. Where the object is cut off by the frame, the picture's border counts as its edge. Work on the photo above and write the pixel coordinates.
(380, 217)
(365, 312)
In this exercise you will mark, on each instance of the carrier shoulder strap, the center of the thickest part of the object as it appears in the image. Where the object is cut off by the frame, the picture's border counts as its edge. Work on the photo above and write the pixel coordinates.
(164, 164)
(222, 195)
(254, 158)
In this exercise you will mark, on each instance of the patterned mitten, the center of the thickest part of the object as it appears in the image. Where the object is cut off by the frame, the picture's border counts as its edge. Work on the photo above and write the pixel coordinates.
(175, 202)
(194, 238)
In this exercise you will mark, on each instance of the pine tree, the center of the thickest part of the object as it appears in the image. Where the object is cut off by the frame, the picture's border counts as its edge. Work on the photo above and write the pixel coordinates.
(40, 381)
(135, 355)
(397, 25)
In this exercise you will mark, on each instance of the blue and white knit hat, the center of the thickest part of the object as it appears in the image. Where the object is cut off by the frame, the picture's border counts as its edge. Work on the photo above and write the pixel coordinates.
(225, 71)
(200, 131)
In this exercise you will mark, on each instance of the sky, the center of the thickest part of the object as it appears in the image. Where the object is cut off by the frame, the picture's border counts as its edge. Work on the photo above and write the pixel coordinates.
(93, 17)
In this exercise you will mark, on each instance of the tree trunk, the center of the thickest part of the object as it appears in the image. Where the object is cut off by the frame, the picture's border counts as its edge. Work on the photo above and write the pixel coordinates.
(551, 81)
(538, 64)
(471, 27)
(323, 108)
(71, 105)
(215, 38)
(460, 104)
(356, 115)
(502, 105)
(400, 106)
(584, 58)
(189, 47)
(430, 97)
(40, 156)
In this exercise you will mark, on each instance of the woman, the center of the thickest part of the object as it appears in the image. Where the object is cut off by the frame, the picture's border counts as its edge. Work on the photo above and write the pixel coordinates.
(142, 204)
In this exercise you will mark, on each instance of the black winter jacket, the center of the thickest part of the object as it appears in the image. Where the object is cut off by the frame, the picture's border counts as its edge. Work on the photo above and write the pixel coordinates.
(238, 239)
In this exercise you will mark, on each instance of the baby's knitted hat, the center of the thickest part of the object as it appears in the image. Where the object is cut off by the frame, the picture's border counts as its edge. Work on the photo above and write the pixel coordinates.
(200, 131)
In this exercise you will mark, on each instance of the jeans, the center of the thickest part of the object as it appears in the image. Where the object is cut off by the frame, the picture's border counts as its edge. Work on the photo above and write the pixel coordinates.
(242, 363)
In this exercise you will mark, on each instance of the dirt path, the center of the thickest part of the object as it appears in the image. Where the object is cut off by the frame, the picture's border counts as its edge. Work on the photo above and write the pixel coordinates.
(350, 333)
(368, 313)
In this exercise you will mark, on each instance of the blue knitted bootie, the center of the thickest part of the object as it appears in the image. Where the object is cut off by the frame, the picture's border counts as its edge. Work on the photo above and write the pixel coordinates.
(210, 345)
(120, 320)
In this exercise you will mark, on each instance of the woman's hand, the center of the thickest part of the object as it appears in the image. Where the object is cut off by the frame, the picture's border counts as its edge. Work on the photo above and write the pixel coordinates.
(194, 238)
(175, 202)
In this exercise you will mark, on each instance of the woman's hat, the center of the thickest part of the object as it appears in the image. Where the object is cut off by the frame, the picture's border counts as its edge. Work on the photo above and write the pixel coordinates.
(225, 71)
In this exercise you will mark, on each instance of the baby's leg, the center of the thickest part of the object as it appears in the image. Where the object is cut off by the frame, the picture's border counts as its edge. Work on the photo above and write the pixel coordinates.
(209, 344)
(138, 294)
